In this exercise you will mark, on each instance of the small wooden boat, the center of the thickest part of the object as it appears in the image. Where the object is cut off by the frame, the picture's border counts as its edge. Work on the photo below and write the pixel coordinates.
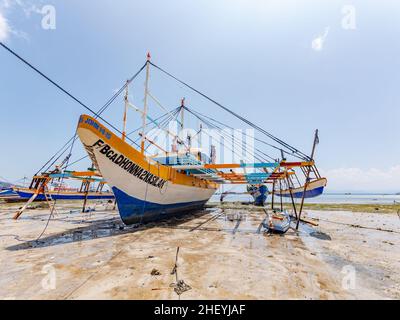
(277, 222)
(40, 188)
(314, 189)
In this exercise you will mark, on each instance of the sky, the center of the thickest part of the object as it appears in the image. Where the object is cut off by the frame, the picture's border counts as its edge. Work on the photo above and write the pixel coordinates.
(289, 66)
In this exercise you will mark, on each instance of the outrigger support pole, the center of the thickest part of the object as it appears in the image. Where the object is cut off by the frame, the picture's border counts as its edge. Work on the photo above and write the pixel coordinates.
(20, 211)
(87, 187)
(291, 196)
(182, 113)
(273, 195)
(280, 189)
(316, 140)
(41, 184)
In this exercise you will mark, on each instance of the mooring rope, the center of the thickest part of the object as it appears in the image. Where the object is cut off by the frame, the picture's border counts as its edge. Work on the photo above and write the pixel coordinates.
(58, 193)
(58, 86)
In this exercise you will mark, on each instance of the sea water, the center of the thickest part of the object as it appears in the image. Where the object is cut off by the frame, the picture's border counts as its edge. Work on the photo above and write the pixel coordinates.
(354, 198)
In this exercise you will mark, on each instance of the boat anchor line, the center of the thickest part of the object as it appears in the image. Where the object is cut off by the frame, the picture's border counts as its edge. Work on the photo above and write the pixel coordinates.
(126, 164)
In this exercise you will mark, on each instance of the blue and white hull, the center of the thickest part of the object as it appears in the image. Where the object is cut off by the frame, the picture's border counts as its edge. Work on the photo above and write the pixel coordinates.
(314, 189)
(145, 190)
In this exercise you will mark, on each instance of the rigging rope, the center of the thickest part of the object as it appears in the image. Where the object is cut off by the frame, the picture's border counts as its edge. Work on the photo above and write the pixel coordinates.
(286, 145)
(109, 102)
(102, 110)
(130, 133)
(260, 158)
(244, 133)
(96, 114)
(58, 193)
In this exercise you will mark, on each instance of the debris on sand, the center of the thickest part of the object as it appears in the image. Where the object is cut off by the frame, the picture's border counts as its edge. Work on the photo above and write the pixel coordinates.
(180, 287)
(235, 216)
(388, 242)
(155, 272)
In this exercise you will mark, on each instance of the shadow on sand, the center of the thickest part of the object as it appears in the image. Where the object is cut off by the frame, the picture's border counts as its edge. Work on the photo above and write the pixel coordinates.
(106, 228)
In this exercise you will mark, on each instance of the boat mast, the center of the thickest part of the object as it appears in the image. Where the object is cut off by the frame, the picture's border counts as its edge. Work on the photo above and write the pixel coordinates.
(182, 119)
(182, 113)
(126, 110)
(146, 92)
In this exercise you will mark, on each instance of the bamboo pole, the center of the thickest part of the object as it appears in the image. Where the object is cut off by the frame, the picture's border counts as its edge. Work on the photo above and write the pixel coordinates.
(87, 186)
(281, 198)
(273, 195)
(307, 179)
(291, 196)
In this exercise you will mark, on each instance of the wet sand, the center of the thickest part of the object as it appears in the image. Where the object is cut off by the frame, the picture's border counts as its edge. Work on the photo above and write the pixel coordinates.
(350, 255)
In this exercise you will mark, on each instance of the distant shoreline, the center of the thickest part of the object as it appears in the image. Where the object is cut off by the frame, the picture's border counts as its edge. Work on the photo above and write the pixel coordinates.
(363, 193)
(367, 208)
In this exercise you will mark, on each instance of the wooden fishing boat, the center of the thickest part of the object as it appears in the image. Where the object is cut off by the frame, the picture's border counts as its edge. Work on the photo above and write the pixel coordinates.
(40, 188)
(313, 189)
(148, 188)
(144, 189)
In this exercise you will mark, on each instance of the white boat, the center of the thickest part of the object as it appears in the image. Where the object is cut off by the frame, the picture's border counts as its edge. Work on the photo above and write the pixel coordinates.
(145, 190)
(277, 222)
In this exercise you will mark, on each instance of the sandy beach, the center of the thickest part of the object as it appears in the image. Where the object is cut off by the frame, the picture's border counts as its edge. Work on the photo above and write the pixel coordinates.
(223, 254)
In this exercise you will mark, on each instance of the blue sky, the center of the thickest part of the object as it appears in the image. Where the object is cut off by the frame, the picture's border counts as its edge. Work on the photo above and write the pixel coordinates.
(289, 66)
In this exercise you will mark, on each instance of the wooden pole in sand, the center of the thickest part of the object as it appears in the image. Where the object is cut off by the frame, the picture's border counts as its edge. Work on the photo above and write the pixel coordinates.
(87, 186)
(291, 195)
(280, 189)
(316, 140)
(273, 195)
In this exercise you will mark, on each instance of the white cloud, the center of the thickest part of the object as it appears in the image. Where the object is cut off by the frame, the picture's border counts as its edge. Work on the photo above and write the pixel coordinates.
(4, 28)
(318, 43)
(369, 180)
(28, 7)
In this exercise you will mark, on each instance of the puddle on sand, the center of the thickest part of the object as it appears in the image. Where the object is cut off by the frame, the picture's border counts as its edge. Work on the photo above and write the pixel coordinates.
(102, 229)
(320, 235)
